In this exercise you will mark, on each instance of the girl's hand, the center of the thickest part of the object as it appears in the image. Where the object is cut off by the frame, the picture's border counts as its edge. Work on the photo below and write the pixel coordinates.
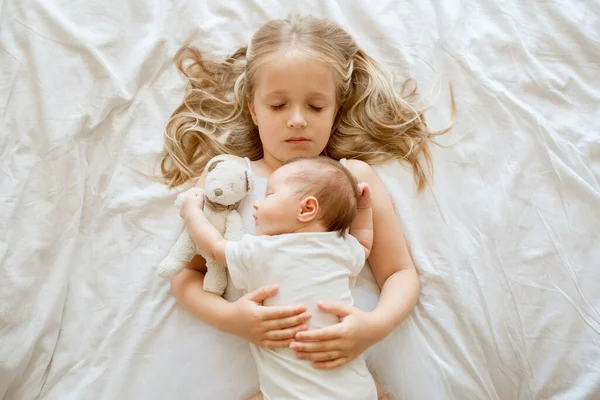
(335, 345)
(366, 199)
(193, 199)
(272, 327)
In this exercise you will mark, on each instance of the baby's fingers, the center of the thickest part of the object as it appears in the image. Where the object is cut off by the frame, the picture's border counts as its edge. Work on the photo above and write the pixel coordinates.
(365, 195)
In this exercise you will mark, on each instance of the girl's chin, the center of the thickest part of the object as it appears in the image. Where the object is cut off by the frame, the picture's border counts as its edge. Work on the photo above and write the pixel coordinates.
(300, 151)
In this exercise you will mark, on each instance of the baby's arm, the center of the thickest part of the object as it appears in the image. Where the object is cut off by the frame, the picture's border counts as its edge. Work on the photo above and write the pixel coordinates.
(202, 232)
(362, 226)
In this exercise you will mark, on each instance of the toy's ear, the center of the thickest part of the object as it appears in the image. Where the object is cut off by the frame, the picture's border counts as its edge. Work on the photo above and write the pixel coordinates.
(213, 164)
(247, 181)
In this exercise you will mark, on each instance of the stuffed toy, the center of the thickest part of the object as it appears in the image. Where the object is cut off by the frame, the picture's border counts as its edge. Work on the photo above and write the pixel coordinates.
(227, 183)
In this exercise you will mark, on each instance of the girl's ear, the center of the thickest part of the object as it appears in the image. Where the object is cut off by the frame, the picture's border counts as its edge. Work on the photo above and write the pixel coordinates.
(252, 112)
(309, 208)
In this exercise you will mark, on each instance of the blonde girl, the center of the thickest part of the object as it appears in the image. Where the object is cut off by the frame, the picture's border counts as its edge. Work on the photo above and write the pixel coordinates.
(301, 88)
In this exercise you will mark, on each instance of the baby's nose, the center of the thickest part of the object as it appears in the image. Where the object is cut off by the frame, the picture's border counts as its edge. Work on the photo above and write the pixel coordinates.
(218, 192)
(255, 206)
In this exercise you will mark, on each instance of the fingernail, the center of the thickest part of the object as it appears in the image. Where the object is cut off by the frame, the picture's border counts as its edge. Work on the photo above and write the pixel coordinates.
(293, 346)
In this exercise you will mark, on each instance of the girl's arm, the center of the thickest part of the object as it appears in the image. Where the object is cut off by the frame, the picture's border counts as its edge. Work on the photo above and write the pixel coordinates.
(395, 274)
(362, 226)
(202, 232)
(247, 318)
(390, 260)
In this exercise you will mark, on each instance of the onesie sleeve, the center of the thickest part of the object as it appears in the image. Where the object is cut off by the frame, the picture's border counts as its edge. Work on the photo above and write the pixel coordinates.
(357, 252)
(238, 255)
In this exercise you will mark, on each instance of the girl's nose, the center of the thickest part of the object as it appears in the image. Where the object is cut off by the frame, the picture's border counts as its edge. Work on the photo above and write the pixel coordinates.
(296, 119)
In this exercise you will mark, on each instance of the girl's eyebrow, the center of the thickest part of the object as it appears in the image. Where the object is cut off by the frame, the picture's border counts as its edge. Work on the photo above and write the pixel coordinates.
(313, 95)
(276, 93)
(318, 95)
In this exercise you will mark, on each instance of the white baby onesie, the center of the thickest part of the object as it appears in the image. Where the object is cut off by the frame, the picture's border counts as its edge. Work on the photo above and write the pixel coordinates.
(309, 267)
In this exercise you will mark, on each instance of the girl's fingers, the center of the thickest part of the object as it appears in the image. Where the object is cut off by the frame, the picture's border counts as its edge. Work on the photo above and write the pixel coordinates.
(329, 333)
(259, 295)
(285, 323)
(330, 364)
(285, 334)
(323, 356)
(277, 344)
(316, 347)
(340, 310)
(277, 313)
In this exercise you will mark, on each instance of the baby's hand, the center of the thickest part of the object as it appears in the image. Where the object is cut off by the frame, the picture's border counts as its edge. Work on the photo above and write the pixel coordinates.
(193, 199)
(365, 199)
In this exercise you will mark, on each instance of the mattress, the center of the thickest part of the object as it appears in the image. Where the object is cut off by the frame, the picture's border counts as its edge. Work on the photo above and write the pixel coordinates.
(506, 239)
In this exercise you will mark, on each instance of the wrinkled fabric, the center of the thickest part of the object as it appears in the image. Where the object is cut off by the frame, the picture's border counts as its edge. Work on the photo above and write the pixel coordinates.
(506, 239)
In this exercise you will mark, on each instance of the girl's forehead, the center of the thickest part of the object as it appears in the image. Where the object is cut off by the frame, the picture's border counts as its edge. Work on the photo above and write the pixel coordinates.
(292, 72)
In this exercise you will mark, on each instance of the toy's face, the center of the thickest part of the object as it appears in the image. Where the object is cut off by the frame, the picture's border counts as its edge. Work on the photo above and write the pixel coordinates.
(227, 182)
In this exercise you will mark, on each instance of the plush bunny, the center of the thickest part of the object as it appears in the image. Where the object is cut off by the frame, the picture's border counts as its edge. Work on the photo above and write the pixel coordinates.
(227, 183)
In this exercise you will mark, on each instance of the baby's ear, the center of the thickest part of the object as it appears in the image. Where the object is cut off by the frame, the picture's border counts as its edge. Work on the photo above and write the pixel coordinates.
(309, 208)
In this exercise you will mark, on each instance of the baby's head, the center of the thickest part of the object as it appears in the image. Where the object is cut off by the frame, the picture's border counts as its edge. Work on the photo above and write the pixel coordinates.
(308, 195)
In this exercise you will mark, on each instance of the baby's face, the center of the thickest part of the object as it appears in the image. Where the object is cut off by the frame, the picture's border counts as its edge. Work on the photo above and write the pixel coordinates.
(277, 213)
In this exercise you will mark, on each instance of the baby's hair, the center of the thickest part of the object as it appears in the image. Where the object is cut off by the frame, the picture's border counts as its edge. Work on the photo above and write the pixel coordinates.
(374, 123)
(334, 187)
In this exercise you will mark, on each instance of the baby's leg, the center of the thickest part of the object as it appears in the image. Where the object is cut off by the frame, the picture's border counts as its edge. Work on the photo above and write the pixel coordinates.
(257, 397)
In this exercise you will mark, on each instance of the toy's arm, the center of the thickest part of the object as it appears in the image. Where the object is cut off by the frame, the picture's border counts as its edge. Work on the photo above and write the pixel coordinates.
(205, 235)
(362, 225)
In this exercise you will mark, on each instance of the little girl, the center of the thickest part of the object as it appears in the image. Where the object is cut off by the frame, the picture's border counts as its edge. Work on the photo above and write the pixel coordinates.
(301, 88)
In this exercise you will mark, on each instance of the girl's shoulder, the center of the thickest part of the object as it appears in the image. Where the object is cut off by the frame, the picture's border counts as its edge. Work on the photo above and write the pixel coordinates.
(361, 170)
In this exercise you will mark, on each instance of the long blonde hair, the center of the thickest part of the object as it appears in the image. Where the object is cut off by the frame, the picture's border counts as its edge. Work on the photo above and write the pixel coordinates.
(374, 123)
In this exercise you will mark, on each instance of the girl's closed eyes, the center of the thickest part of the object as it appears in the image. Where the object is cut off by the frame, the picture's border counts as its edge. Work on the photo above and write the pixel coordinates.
(281, 106)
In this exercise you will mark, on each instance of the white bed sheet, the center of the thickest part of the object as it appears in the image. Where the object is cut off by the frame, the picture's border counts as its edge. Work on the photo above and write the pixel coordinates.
(507, 241)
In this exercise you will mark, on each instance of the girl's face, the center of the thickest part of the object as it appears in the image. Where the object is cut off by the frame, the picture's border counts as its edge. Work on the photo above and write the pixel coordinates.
(294, 106)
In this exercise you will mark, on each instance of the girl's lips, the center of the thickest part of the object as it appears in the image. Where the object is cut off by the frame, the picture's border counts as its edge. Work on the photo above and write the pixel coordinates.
(297, 139)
